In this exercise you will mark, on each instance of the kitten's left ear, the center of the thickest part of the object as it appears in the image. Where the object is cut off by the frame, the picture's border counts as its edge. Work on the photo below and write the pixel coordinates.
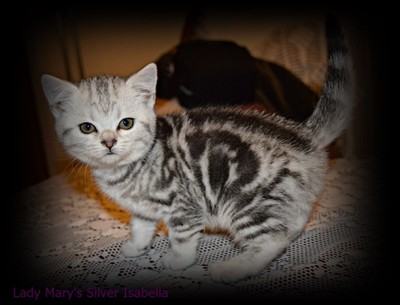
(145, 80)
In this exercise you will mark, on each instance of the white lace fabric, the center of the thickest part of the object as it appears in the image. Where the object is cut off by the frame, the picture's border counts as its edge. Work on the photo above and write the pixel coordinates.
(74, 240)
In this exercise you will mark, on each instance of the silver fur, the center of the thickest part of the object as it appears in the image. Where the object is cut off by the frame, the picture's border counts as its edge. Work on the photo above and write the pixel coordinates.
(255, 175)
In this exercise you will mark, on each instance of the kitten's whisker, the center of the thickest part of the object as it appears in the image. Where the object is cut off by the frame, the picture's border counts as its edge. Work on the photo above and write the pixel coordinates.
(65, 158)
(86, 185)
(74, 169)
(78, 169)
(67, 168)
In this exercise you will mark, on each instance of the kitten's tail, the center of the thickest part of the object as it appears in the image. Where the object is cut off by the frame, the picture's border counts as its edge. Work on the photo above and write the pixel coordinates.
(333, 111)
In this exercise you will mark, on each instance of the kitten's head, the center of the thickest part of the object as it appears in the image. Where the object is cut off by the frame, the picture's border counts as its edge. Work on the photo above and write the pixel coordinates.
(105, 121)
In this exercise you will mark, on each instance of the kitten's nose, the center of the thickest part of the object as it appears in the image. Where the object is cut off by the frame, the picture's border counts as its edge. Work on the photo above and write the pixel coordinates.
(108, 139)
(109, 143)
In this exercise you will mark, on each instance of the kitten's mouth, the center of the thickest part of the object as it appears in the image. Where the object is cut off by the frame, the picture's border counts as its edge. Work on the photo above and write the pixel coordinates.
(110, 157)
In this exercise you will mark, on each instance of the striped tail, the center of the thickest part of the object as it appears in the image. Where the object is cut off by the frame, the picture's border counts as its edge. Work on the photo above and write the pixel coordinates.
(334, 109)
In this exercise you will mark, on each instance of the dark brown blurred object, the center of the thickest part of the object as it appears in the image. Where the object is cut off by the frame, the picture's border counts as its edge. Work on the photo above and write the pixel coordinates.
(221, 73)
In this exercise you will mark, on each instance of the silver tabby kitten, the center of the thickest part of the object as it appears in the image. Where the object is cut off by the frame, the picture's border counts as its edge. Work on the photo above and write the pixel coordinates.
(255, 175)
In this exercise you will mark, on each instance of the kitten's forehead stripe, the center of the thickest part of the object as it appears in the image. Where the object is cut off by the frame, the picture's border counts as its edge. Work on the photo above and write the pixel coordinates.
(102, 91)
(103, 94)
(115, 83)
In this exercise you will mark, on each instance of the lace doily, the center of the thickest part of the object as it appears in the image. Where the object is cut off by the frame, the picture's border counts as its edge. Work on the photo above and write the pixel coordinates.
(74, 240)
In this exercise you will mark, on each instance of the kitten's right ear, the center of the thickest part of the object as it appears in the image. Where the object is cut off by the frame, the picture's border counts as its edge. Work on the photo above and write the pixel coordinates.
(58, 92)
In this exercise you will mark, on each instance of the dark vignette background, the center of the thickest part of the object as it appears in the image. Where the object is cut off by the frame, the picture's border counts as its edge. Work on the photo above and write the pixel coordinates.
(27, 147)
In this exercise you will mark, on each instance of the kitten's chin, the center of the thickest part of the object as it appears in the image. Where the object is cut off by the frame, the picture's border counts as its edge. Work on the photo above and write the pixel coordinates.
(106, 161)
(111, 161)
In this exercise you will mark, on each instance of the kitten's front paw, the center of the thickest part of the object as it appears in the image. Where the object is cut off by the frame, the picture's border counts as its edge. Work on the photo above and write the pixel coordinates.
(227, 272)
(130, 249)
(177, 262)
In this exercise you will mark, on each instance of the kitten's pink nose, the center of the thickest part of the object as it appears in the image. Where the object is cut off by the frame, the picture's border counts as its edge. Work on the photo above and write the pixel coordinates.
(109, 143)
(108, 139)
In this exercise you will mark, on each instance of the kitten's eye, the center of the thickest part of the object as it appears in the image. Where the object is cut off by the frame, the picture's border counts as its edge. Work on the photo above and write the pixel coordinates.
(126, 123)
(87, 128)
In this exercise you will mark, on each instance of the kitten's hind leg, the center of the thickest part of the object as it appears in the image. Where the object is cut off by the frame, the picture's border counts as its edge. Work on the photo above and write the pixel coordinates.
(142, 233)
(255, 258)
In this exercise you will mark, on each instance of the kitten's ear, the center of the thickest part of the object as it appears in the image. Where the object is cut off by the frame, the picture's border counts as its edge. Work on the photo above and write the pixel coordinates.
(145, 80)
(58, 92)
